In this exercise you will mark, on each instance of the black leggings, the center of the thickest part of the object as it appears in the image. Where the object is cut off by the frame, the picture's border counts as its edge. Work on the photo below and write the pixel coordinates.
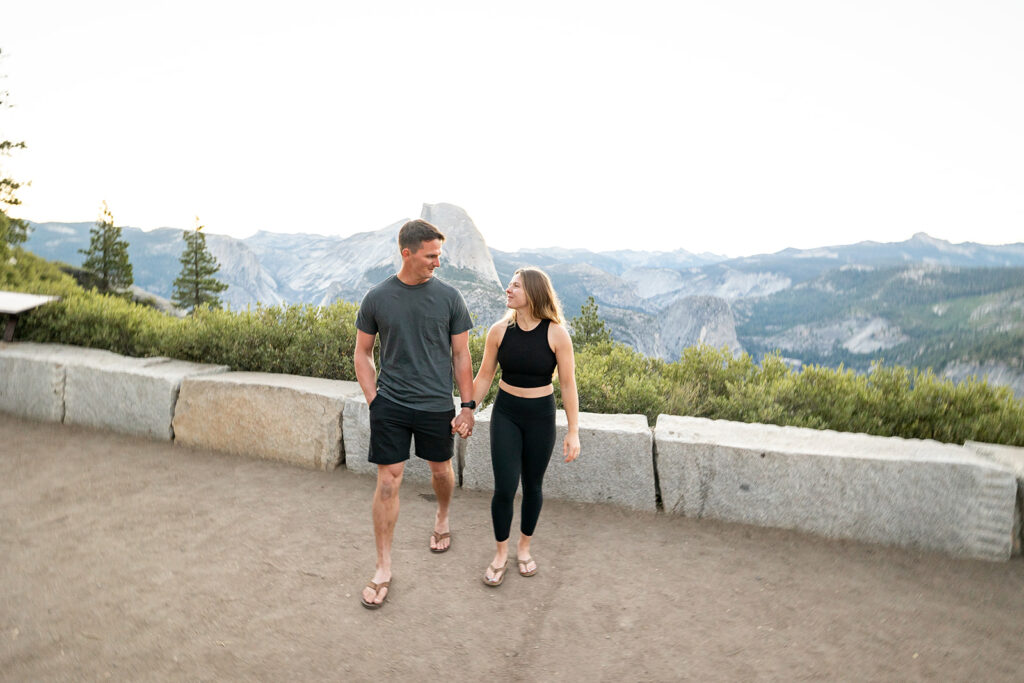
(522, 438)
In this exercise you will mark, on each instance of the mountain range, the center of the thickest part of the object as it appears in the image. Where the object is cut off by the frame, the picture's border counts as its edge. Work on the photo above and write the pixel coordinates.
(958, 308)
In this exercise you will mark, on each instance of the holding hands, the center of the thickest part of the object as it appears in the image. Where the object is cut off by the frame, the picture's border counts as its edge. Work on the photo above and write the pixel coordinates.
(463, 423)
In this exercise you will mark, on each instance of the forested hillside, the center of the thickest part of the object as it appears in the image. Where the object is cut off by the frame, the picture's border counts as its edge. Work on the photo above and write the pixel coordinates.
(921, 316)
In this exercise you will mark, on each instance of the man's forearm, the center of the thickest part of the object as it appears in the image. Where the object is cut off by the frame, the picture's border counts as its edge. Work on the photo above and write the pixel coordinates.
(464, 376)
(366, 375)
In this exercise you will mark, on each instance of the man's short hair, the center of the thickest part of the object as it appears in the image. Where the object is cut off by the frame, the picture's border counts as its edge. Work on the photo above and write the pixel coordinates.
(415, 233)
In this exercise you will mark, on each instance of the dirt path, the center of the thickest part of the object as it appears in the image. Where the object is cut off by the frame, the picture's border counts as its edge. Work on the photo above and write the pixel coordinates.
(136, 560)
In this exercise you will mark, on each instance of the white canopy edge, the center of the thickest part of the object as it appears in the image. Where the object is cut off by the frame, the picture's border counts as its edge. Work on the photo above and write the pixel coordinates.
(18, 302)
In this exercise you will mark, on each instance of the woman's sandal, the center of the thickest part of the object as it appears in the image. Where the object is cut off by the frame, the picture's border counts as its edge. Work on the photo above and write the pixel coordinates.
(523, 565)
(494, 583)
(375, 587)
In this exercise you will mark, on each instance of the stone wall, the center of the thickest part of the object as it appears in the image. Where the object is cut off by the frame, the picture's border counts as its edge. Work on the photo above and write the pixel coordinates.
(1012, 458)
(962, 500)
(72, 385)
(293, 419)
(905, 492)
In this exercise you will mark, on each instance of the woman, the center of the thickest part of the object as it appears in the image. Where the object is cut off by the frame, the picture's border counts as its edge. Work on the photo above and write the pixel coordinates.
(528, 344)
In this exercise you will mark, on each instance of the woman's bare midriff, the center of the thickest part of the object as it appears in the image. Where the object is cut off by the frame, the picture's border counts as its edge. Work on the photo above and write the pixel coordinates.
(526, 392)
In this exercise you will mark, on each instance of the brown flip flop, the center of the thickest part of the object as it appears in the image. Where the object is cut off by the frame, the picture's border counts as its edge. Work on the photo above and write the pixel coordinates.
(494, 583)
(375, 587)
(437, 538)
(522, 567)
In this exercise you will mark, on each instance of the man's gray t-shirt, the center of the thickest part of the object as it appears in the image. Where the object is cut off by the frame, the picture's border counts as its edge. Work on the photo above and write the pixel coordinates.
(415, 324)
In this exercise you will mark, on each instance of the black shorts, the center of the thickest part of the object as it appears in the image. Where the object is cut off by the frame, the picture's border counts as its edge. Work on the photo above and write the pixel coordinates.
(393, 426)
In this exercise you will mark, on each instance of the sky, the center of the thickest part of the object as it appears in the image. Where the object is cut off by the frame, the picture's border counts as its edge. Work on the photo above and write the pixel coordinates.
(727, 126)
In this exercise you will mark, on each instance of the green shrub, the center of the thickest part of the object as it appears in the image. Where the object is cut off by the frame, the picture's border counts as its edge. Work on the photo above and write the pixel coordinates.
(296, 339)
(613, 378)
(26, 272)
(98, 321)
(701, 380)
(887, 401)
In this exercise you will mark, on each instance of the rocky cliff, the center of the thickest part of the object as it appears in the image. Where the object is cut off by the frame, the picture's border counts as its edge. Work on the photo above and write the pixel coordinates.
(322, 270)
(993, 371)
(466, 262)
(697, 320)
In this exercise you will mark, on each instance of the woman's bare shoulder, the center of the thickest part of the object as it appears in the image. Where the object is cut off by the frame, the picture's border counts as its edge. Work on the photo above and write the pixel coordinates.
(558, 334)
(497, 331)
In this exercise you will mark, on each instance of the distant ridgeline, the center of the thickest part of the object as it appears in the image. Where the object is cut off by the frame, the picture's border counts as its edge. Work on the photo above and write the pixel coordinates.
(924, 302)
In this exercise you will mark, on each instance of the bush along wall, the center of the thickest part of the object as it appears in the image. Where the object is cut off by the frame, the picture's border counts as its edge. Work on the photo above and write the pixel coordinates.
(296, 339)
(712, 383)
(611, 378)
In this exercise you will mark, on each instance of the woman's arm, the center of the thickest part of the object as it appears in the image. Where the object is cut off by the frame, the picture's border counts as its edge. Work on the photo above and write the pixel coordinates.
(561, 344)
(489, 363)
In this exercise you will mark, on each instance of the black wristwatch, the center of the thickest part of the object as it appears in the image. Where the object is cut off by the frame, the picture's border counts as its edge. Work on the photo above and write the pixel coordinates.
(469, 404)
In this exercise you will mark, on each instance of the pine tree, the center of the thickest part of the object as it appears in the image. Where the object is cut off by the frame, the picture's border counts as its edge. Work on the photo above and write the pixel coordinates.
(587, 327)
(196, 284)
(13, 231)
(107, 256)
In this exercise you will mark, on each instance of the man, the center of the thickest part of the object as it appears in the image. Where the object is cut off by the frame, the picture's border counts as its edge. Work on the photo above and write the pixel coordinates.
(423, 325)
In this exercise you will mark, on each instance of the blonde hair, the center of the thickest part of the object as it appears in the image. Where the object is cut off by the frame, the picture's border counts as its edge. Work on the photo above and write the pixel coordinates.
(540, 294)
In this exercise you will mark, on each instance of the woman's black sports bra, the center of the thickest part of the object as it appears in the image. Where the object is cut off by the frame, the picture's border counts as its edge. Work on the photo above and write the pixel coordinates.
(525, 358)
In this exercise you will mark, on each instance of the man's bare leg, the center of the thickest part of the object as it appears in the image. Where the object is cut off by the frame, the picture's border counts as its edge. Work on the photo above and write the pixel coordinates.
(385, 514)
(442, 478)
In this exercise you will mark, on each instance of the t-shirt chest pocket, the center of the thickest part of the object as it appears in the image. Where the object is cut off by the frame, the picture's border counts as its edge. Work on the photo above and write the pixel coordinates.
(434, 328)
